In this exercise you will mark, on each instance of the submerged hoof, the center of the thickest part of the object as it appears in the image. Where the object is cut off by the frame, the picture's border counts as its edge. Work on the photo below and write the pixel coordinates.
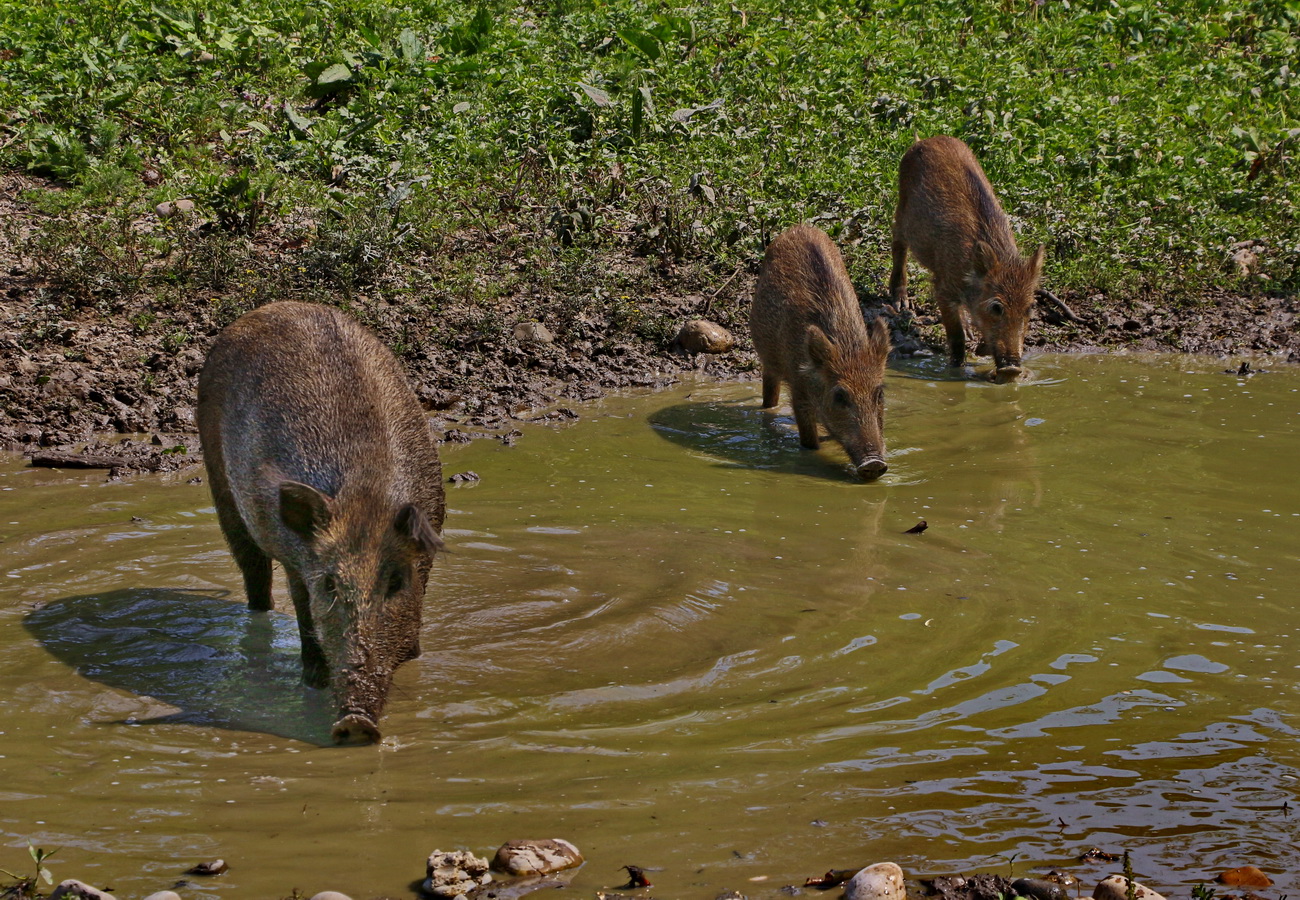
(355, 729)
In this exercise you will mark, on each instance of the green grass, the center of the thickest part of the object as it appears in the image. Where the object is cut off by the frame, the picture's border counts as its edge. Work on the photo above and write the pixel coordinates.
(432, 152)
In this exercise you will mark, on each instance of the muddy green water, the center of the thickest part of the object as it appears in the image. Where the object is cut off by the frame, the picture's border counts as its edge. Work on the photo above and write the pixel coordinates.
(671, 636)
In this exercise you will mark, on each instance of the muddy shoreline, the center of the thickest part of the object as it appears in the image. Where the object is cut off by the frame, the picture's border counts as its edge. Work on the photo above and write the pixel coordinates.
(76, 375)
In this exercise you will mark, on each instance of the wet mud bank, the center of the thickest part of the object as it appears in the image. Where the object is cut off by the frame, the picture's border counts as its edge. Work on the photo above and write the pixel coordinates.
(77, 377)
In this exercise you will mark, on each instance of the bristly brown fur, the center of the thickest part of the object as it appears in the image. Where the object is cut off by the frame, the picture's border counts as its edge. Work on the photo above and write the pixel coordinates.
(951, 221)
(808, 331)
(319, 456)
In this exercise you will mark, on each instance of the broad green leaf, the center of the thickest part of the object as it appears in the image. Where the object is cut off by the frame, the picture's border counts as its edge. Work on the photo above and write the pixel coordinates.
(643, 41)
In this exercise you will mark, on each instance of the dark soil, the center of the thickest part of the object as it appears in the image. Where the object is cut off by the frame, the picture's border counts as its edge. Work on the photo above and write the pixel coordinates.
(74, 372)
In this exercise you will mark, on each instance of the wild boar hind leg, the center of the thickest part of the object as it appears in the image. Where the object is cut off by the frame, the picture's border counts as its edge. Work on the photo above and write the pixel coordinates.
(898, 278)
(315, 670)
(771, 387)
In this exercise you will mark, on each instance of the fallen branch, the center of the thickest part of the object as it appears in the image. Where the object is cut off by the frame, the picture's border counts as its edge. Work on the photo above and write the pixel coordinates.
(1060, 304)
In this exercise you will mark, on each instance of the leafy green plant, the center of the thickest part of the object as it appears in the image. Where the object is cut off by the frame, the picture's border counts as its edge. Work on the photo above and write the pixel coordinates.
(28, 886)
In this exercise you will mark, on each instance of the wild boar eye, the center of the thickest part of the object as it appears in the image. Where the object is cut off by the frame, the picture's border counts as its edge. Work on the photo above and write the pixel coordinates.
(329, 584)
(396, 581)
(880, 395)
(995, 307)
(840, 397)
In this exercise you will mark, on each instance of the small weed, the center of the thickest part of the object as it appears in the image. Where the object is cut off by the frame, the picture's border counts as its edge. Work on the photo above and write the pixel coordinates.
(27, 887)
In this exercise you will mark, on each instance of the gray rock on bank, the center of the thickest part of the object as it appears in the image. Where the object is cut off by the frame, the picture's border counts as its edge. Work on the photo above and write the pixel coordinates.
(536, 857)
(1116, 888)
(452, 874)
(532, 333)
(883, 881)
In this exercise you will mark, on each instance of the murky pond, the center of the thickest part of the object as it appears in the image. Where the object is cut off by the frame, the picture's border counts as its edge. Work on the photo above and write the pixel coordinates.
(672, 637)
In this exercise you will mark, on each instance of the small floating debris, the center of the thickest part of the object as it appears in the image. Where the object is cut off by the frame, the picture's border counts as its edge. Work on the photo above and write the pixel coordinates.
(215, 867)
(917, 528)
(636, 878)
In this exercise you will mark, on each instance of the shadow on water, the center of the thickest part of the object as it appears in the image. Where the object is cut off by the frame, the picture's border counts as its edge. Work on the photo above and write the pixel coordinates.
(741, 434)
(219, 664)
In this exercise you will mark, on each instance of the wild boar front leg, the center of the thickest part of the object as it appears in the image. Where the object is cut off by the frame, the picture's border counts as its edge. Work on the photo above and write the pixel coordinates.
(805, 417)
(315, 670)
(950, 315)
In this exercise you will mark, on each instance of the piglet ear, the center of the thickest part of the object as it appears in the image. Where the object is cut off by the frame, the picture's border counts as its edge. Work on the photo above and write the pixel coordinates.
(305, 510)
(820, 350)
(878, 335)
(411, 522)
(982, 258)
(1036, 261)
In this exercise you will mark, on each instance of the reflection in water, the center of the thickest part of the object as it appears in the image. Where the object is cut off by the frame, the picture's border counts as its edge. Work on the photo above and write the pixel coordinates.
(671, 635)
(217, 663)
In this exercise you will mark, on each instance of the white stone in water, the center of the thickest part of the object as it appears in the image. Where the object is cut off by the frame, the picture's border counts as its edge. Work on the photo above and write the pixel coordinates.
(1116, 888)
(324, 895)
(536, 857)
(169, 895)
(78, 890)
(451, 874)
(883, 881)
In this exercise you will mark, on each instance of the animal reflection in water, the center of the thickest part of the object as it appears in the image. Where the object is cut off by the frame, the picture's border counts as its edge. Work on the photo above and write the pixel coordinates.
(740, 434)
(207, 659)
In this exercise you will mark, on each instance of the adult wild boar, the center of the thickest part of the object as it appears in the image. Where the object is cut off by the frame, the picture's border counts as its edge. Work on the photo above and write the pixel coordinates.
(319, 456)
(809, 333)
(950, 219)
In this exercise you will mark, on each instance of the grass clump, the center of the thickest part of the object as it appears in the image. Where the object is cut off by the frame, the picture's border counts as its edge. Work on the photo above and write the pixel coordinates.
(390, 148)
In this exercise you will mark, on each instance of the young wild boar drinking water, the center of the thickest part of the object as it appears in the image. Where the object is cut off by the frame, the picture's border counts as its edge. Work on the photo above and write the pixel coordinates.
(949, 217)
(320, 457)
(808, 332)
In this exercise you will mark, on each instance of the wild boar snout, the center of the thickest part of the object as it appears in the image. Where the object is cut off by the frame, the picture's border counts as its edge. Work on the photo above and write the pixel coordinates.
(355, 729)
(872, 469)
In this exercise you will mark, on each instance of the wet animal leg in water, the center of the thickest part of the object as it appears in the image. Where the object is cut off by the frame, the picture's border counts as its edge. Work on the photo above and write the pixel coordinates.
(315, 670)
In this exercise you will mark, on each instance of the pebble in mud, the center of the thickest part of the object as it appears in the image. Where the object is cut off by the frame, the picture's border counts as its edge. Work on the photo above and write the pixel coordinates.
(703, 336)
(536, 857)
(882, 881)
(1040, 889)
(78, 890)
(456, 872)
(532, 333)
(1116, 888)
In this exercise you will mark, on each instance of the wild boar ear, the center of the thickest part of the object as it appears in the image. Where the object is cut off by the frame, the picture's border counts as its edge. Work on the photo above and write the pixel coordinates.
(411, 522)
(820, 350)
(878, 335)
(304, 509)
(982, 258)
(1036, 261)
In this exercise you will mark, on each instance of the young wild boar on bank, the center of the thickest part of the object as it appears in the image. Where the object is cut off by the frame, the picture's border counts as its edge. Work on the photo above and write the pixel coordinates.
(319, 456)
(950, 219)
(808, 332)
